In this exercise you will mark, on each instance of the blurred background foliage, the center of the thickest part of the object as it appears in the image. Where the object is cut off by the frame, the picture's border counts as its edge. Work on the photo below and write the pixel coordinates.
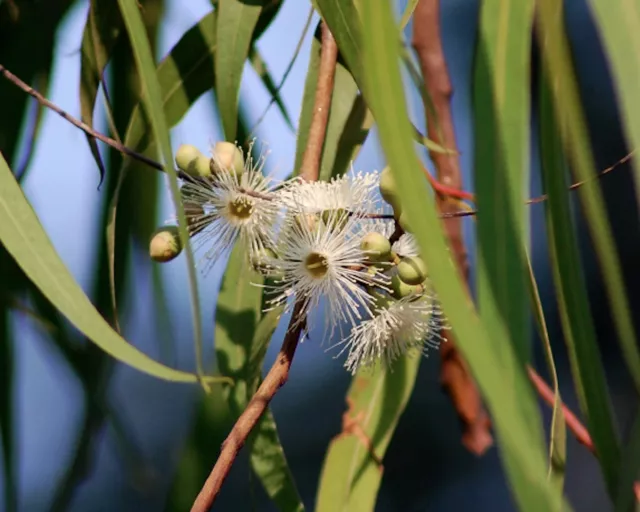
(82, 431)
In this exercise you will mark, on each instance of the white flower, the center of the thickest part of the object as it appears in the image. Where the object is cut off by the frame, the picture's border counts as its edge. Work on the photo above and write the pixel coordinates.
(406, 246)
(407, 324)
(224, 207)
(352, 192)
(320, 258)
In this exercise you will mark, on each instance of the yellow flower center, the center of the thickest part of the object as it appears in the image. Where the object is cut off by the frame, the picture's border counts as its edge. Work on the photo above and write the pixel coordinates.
(241, 207)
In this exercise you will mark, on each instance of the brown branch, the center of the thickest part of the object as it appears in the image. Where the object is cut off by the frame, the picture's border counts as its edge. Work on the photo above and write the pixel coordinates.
(77, 123)
(310, 166)
(279, 372)
(573, 423)
(455, 376)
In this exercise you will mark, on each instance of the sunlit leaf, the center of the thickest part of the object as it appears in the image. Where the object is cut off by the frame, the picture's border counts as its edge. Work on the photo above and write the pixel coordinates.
(152, 100)
(502, 154)
(526, 461)
(24, 238)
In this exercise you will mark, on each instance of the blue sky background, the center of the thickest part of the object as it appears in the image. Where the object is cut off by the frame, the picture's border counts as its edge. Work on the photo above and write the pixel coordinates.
(62, 187)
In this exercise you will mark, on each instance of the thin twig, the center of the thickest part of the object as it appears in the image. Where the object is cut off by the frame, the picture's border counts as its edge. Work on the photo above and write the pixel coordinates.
(76, 122)
(279, 372)
(455, 376)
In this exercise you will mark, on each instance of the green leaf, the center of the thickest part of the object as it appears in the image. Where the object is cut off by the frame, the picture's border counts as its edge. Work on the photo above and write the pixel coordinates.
(101, 32)
(523, 451)
(349, 120)
(558, 430)
(24, 238)
(237, 20)
(241, 340)
(260, 67)
(352, 469)
(502, 154)
(573, 130)
(152, 100)
(619, 26)
(575, 314)
(625, 498)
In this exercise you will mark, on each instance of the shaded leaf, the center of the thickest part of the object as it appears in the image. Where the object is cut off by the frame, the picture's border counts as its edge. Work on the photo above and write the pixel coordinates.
(573, 130)
(625, 498)
(352, 469)
(575, 313)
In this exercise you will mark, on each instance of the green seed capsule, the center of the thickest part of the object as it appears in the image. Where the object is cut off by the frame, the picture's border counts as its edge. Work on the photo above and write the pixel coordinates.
(389, 191)
(402, 289)
(227, 157)
(376, 247)
(192, 161)
(165, 244)
(412, 270)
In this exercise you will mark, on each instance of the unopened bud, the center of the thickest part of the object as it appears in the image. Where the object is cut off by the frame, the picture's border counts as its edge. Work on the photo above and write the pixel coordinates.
(402, 289)
(335, 219)
(382, 299)
(376, 247)
(227, 157)
(165, 244)
(412, 270)
(389, 191)
(192, 161)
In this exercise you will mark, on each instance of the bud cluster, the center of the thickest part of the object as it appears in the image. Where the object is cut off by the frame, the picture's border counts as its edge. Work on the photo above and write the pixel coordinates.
(326, 244)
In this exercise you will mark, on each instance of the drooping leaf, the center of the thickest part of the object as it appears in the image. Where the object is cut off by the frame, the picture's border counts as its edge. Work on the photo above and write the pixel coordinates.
(569, 280)
(237, 20)
(352, 469)
(619, 26)
(502, 154)
(260, 67)
(558, 430)
(23, 236)
(101, 31)
(573, 130)
(152, 100)
(524, 451)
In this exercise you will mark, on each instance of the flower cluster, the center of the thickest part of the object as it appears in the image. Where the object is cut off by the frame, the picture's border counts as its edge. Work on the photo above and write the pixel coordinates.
(326, 246)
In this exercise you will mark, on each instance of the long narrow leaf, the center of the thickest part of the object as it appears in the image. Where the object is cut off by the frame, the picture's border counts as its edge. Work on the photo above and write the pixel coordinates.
(152, 99)
(524, 451)
(573, 130)
(237, 20)
(575, 313)
(24, 238)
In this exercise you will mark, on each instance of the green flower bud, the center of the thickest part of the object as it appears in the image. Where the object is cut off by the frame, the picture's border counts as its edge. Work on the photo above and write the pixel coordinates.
(376, 247)
(412, 270)
(165, 244)
(192, 161)
(227, 157)
(389, 191)
(402, 289)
